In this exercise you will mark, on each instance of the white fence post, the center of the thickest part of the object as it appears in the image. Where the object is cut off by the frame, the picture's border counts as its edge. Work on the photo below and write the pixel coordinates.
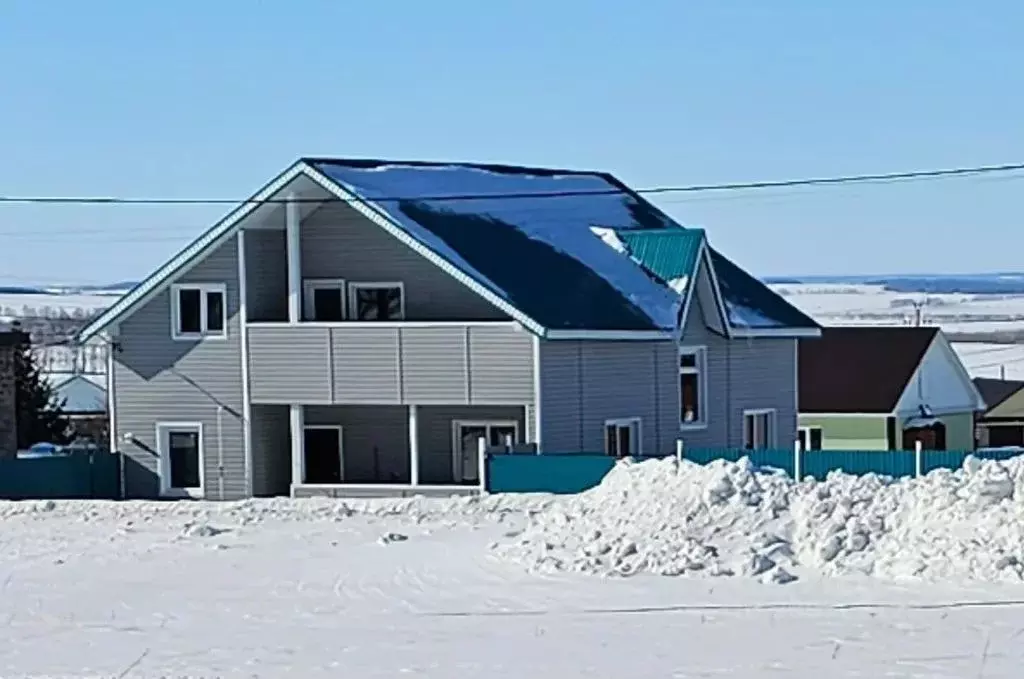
(798, 458)
(918, 462)
(481, 463)
(679, 453)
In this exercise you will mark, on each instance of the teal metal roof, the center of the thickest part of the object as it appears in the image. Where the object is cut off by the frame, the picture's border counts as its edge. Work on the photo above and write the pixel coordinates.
(669, 254)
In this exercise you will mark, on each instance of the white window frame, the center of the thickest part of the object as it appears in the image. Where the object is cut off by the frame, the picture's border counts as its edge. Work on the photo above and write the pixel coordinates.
(771, 437)
(310, 285)
(355, 287)
(486, 424)
(635, 424)
(806, 432)
(163, 432)
(341, 448)
(204, 333)
(701, 371)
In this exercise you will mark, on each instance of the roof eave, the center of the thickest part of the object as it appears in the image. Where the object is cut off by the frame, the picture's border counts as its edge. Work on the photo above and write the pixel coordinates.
(156, 282)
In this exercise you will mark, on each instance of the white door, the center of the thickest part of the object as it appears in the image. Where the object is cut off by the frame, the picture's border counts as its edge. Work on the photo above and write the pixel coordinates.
(180, 446)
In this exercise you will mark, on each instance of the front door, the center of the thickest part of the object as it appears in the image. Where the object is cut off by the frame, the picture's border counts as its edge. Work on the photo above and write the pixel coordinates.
(181, 459)
(323, 454)
(467, 438)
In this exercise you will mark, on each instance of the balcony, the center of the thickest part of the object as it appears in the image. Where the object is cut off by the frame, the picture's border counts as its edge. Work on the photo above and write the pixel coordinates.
(390, 363)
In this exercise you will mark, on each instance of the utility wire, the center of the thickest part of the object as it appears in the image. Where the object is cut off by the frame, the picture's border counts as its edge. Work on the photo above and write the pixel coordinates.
(886, 177)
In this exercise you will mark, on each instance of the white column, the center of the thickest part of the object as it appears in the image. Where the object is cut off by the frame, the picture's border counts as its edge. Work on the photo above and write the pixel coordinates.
(294, 246)
(414, 446)
(538, 434)
(297, 419)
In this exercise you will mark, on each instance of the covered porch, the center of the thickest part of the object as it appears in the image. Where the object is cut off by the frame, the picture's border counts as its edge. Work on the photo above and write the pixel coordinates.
(379, 451)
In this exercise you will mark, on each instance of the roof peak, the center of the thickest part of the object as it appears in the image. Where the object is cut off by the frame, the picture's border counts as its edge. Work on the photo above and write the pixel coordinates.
(501, 168)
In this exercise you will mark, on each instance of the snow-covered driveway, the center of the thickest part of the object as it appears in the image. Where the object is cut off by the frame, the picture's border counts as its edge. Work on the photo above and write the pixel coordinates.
(390, 589)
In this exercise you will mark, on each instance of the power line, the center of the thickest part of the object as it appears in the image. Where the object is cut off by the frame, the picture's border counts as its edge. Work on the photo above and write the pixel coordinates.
(885, 177)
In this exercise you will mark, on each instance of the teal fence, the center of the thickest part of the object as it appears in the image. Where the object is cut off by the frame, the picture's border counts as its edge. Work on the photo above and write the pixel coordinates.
(574, 473)
(80, 476)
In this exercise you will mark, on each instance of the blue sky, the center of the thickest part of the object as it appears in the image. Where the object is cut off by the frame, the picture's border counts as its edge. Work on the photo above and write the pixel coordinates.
(194, 98)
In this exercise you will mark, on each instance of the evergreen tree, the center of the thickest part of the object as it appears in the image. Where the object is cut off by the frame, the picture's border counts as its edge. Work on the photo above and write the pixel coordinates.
(40, 416)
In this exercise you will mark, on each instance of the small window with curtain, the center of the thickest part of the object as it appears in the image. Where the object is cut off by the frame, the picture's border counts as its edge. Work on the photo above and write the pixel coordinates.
(376, 301)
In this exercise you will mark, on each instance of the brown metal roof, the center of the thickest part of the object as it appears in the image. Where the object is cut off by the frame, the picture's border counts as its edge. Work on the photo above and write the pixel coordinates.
(859, 369)
(994, 391)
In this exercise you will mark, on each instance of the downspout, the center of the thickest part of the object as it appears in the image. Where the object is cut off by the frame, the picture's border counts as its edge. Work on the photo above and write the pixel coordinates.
(220, 452)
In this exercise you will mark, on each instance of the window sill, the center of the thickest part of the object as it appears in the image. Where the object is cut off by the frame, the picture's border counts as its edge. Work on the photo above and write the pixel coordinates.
(182, 493)
(693, 426)
(198, 337)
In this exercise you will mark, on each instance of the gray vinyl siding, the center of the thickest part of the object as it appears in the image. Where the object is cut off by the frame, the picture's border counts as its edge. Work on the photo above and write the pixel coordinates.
(584, 383)
(436, 445)
(763, 375)
(266, 263)
(459, 365)
(375, 439)
(158, 380)
(271, 450)
(366, 365)
(338, 242)
(294, 364)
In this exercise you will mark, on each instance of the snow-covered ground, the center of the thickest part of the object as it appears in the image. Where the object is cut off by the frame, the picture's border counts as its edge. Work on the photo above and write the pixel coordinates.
(469, 588)
(984, 359)
(857, 304)
(19, 305)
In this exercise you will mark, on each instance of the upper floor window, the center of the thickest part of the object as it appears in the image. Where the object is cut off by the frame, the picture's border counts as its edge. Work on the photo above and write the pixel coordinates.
(376, 301)
(199, 310)
(692, 387)
(324, 300)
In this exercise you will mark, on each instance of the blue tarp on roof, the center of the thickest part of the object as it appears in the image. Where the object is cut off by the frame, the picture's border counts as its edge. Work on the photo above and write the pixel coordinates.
(534, 243)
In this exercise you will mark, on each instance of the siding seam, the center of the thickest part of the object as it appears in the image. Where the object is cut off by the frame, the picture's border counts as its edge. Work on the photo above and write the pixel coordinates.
(469, 366)
(656, 355)
(399, 360)
(330, 366)
(580, 392)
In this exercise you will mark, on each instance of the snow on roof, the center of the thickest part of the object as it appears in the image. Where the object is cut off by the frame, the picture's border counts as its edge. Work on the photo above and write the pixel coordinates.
(466, 232)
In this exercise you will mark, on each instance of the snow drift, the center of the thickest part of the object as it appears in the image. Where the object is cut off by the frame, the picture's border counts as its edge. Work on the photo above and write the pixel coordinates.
(726, 518)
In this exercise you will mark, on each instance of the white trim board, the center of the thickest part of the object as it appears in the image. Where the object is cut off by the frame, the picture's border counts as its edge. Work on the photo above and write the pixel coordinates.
(162, 431)
(243, 345)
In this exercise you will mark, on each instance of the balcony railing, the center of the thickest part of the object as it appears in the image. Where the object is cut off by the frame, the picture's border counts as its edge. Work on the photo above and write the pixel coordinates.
(427, 363)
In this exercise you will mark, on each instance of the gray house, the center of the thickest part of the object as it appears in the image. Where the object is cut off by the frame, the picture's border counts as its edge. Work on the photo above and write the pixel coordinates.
(357, 327)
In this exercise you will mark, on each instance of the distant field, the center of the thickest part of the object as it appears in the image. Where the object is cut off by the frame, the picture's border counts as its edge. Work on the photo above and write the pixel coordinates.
(993, 324)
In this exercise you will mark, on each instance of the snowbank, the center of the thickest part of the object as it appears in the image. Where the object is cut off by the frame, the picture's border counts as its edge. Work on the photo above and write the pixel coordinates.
(732, 519)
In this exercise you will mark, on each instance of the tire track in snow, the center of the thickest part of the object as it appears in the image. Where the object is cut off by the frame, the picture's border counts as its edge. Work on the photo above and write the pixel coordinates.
(738, 608)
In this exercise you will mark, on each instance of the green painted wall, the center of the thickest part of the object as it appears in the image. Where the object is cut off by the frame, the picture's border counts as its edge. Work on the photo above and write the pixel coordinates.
(867, 432)
(959, 431)
(851, 432)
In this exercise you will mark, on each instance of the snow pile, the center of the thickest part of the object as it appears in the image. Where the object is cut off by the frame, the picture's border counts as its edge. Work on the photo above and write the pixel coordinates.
(732, 519)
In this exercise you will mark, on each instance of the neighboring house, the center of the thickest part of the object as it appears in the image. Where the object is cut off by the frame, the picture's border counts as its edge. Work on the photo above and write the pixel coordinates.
(9, 341)
(356, 328)
(1002, 424)
(883, 388)
(84, 402)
